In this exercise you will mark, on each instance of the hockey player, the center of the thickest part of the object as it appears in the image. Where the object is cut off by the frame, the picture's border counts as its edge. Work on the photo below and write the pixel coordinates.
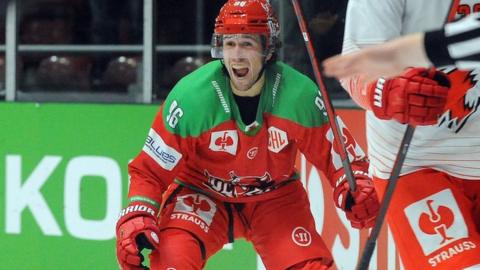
(445, 46)
(218, 162)
(434, 215)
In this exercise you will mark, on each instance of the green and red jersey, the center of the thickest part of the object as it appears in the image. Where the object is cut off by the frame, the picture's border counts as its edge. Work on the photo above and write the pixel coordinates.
(198, 138)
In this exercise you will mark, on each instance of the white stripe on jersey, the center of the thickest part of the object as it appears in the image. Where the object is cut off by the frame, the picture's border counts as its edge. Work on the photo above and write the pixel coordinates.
(432, 147)
(467, 64)
(467, 47)
(464, 48)
(467, 24)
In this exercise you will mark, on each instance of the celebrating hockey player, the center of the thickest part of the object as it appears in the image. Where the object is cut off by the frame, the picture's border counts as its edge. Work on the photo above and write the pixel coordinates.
(218, 162)
(434, 215)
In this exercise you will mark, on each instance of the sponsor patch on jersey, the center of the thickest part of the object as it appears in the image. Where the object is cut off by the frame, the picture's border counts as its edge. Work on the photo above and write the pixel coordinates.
(277, 139)
(195, 208)
(224, 141)
(167, 157)
(436, 221)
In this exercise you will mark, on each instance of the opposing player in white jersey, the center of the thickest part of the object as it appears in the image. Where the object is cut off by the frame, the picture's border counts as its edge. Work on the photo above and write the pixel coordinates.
(457, 43)
(435, 212)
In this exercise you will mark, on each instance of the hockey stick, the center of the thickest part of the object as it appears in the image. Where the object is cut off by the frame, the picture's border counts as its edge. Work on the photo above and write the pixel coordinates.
(392, 182)
(337, 137)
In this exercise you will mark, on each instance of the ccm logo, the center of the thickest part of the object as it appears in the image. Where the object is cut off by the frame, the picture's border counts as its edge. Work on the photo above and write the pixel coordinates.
(377, 96)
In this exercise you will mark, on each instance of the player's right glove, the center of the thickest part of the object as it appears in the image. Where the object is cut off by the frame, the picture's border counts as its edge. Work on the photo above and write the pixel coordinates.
(416, 97)
(136, 229)
(361, 206)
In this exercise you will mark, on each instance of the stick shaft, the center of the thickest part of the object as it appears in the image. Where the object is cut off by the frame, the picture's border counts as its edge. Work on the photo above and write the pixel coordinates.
(392, 183)
(338, 138)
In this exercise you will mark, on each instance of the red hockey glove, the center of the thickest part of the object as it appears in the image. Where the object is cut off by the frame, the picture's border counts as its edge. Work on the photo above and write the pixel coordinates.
(136, 229)
(416, 97)
(361, 206)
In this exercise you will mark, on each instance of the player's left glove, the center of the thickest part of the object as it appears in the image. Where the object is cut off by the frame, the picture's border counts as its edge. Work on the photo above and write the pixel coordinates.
(362, 205)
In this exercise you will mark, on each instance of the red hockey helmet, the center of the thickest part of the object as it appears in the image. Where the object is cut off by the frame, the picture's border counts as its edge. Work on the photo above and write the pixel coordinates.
(246, 17)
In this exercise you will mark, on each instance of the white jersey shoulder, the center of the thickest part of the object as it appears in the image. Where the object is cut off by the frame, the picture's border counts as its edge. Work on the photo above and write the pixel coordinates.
(376, 21)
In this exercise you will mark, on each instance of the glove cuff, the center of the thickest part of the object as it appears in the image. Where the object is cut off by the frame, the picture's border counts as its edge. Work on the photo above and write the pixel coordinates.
(359, 170)
(378, 98)
(341, 188)
(135, 209)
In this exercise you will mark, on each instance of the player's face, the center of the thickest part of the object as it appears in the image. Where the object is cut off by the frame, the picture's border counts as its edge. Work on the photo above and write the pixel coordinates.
(244, 58)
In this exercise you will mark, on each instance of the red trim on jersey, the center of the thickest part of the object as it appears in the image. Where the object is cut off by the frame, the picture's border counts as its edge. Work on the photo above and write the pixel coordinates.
(453, 11)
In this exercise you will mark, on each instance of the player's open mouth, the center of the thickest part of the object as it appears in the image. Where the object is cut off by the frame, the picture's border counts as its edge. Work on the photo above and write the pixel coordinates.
(240, 72)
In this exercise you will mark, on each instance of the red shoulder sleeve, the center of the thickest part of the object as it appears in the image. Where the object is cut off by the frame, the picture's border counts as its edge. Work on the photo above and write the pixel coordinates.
(157, 164)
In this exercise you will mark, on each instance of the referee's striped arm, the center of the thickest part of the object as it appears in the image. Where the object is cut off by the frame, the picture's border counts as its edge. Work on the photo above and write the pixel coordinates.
(458, 43)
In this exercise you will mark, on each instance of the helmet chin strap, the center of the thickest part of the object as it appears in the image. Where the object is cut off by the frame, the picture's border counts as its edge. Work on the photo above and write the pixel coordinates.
(263, 68)
(260, 74)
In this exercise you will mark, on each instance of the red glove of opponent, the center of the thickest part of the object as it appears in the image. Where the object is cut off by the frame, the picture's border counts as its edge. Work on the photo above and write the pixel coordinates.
(416, 97)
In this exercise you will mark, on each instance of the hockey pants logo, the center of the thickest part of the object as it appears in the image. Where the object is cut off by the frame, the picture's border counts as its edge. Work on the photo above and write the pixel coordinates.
(436, 221)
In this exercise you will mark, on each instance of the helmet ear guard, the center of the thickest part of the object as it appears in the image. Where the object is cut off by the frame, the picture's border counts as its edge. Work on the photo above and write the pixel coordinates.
(246, 17)
(217, 46)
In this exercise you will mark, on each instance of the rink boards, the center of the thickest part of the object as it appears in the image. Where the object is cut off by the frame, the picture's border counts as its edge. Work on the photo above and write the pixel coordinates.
(65, 180)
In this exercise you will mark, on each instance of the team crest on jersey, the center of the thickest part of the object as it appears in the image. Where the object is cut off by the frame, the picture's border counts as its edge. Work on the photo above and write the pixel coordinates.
(195, 208)
(224, 141)
(277, 139)
(464, 95)
(239, 186)
(436, 221)
(464, 99)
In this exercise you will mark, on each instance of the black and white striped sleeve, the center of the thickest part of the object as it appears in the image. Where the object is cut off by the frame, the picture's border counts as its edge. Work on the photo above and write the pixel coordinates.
(458, 43)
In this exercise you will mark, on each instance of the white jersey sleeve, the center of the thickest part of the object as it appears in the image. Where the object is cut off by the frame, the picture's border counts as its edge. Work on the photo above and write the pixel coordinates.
(371, 22)
(368, 22)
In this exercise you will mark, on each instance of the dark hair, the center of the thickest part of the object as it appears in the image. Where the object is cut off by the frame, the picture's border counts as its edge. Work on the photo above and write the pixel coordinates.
(276, 47)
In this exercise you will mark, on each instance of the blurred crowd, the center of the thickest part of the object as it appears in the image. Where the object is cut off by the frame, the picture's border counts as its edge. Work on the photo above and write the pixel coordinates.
(108, 22)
